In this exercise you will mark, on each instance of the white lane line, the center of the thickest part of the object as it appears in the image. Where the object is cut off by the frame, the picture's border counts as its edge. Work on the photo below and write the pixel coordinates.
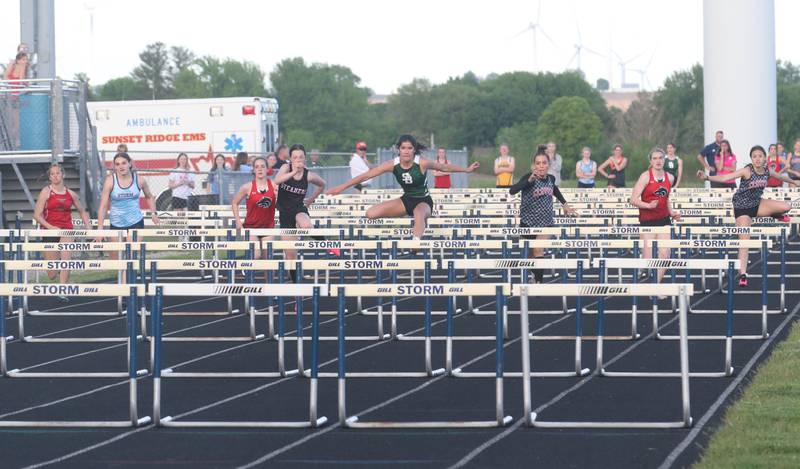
(380, 405)
(147, 427)
(698, 427)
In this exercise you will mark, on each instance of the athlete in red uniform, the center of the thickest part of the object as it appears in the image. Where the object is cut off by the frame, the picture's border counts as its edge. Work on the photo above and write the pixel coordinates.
(651, 196)
(261, 197)
(53, 211)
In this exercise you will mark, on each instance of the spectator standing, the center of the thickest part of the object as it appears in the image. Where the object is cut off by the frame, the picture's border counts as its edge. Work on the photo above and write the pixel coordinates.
(504, 168)
(360, 165)
(781, 150)
(441, 179)
(585, 169)
(282, 154)
(793, 162)
(182, 182)
(272, 162)
(215, 176)
(17, 70)
(724, 163)
(555, 162)
(616, 164)
(314, 161)
(776, 163)
(708, 154)
(673, 164)
(241, 166)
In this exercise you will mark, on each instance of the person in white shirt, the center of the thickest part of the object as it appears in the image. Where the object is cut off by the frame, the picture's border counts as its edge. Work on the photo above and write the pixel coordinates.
(359, 165)
(182, 183)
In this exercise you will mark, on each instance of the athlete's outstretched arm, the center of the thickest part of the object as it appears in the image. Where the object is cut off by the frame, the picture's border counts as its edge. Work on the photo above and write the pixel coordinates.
(447, 167)
(741, 172)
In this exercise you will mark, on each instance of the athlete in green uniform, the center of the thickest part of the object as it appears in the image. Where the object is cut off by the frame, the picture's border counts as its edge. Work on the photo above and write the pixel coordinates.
(410, 169)
(673, 165)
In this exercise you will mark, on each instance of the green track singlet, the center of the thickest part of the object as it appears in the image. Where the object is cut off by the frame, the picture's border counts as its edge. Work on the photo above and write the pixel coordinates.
(412, 180)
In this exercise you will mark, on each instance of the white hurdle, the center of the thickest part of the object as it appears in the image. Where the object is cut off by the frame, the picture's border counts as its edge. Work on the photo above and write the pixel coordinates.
(429, 290)
(87, 265)
(132, 373)
(159, 291)
(683, 291)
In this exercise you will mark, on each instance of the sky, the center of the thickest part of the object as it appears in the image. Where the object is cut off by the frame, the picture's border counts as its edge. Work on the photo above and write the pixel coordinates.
(389, 43)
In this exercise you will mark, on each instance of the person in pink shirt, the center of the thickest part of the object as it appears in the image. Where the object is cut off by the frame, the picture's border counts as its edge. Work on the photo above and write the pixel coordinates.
(725, 163)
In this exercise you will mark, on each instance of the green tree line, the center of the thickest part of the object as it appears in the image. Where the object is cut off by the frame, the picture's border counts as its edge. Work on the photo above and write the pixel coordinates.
(325, 106)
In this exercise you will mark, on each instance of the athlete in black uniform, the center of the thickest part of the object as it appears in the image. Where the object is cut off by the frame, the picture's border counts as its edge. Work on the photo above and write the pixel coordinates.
(292, 181)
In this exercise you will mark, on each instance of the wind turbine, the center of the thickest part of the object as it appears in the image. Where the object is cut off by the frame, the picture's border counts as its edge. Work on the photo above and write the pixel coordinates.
(622, 67)
(534, 28)
(580, 47)
(643, 72)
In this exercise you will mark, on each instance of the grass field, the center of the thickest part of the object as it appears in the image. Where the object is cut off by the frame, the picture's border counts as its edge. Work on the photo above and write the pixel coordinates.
(762, 429)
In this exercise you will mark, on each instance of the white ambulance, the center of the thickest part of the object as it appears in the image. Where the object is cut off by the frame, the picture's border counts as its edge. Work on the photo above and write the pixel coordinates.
(156, 131)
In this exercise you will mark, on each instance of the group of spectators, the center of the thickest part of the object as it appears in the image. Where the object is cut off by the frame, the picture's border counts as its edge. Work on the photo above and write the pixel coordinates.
(586, 169)
(716, 158)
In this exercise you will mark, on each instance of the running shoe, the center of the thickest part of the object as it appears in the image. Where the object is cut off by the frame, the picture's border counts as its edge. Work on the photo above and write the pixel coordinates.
(743, 280)
(62, 299)
(785, 218)
(335, 252)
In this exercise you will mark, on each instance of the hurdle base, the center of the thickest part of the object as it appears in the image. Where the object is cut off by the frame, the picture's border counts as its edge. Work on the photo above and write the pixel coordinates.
(386, 374)
(333, 338)
(353, 422)
(201, 313)
(442, 337)
(459, 373)
(37, 312)
(168, 373)
(532, 422)
(67, 424)
(665, 374)
(33, 339)
(213, 339)
(17, 373)
(172, 422)
(584, 337)
(714, 337)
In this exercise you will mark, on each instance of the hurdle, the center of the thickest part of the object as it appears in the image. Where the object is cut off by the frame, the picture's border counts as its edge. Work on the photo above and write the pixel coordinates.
(132, 374)
(123, 248)
(578, 370)
(153, 266)
(762, 231)
(118, 265)
(483, 289)
(379, 291)
(159, 291)
(683, 291)
(380, 266)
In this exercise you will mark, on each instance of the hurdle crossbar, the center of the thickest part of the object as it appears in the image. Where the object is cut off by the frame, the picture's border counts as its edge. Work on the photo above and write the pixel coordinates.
(603, 290)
